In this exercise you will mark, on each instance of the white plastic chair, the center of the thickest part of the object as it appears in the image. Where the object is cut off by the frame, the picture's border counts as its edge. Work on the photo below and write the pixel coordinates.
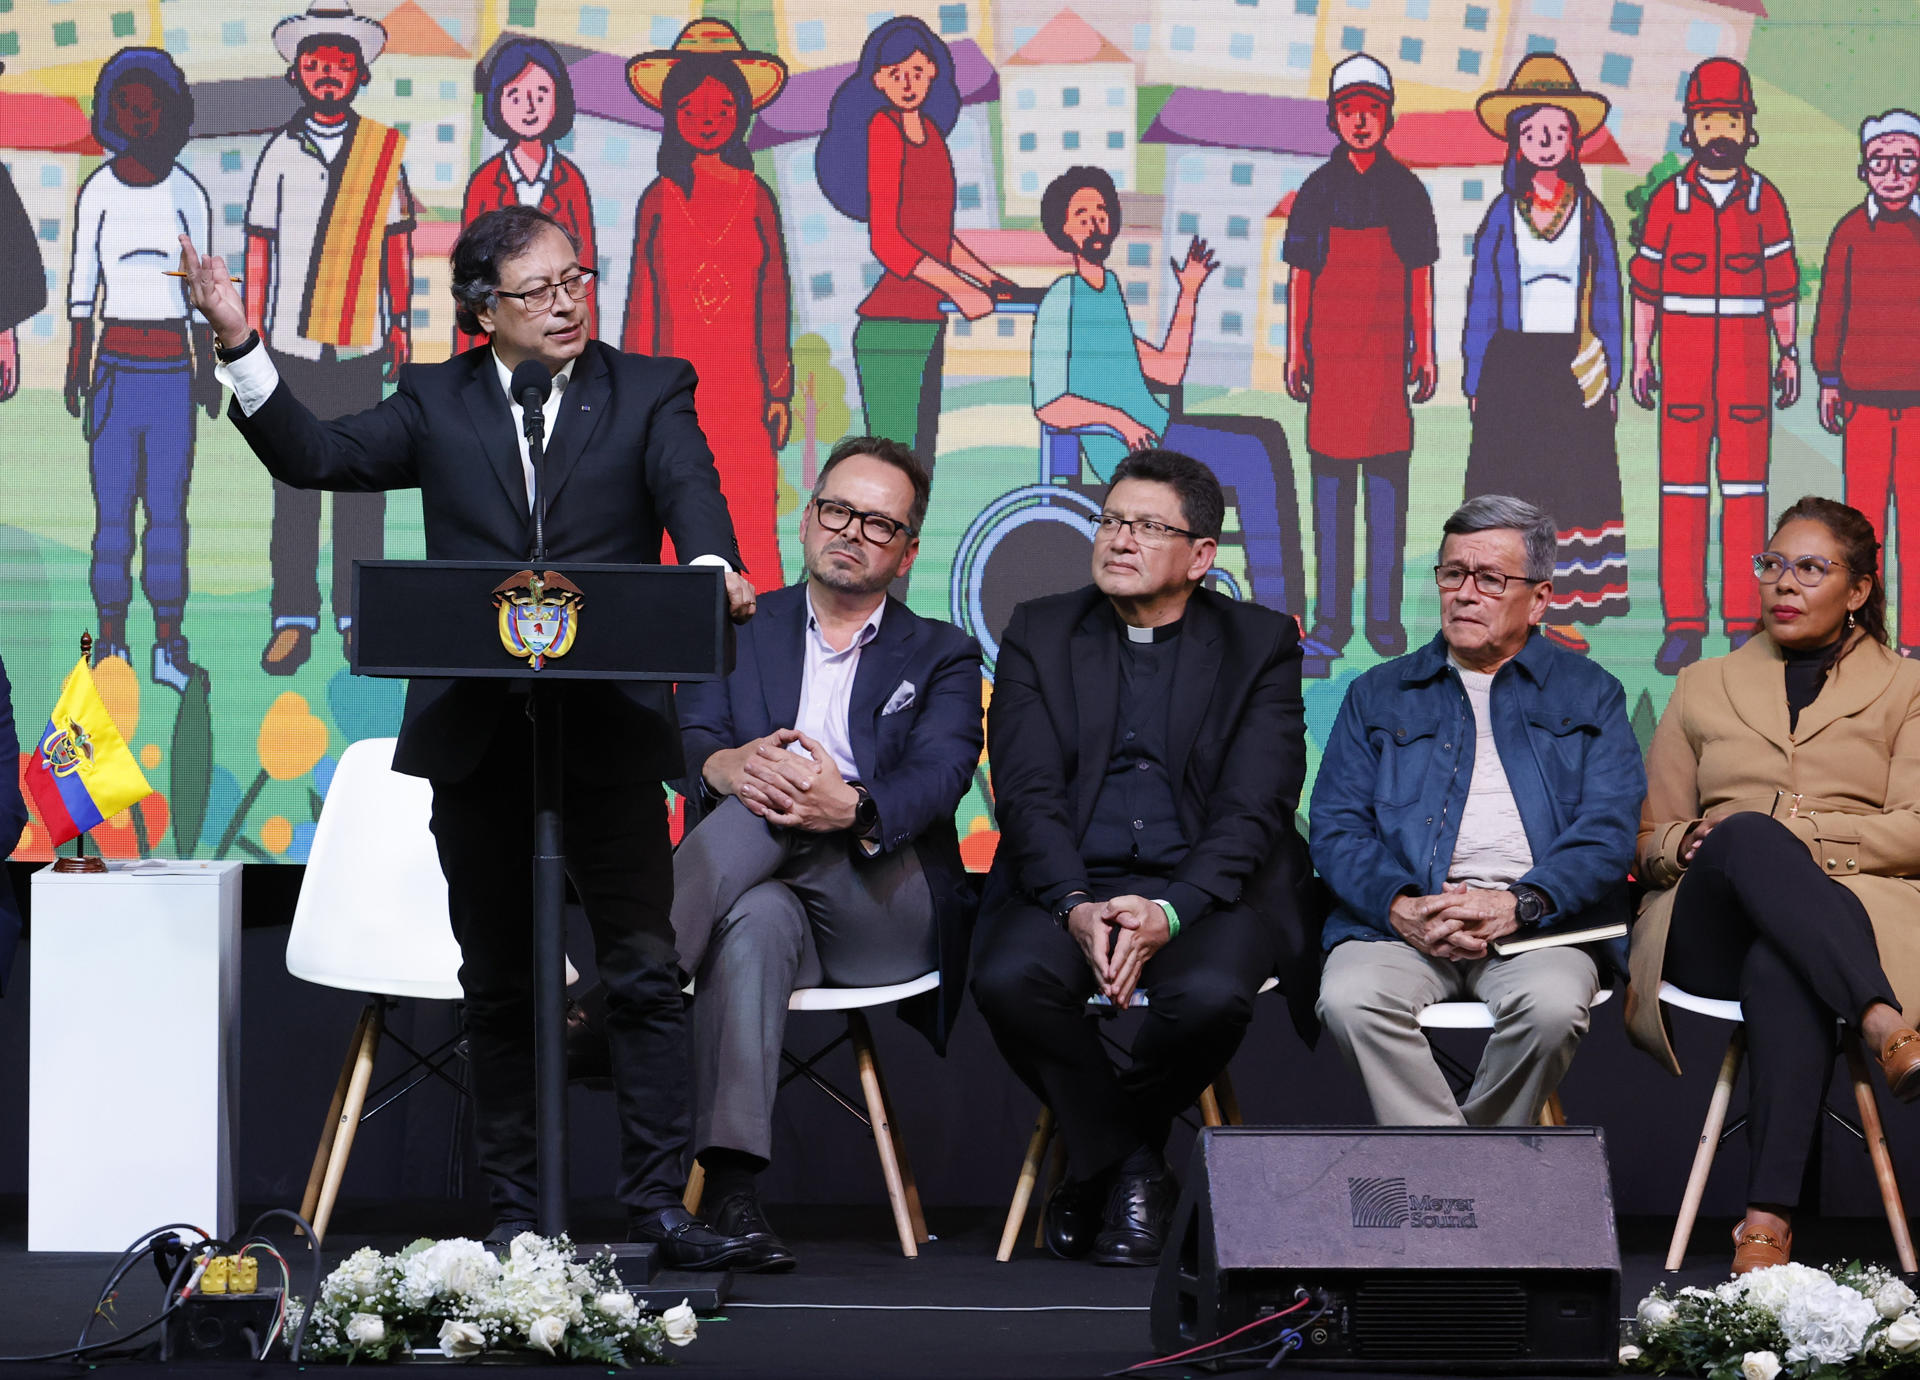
(903, 1196)
(1477, 1015)
(1714, 1131)
(372, 917)
(1218, 1105)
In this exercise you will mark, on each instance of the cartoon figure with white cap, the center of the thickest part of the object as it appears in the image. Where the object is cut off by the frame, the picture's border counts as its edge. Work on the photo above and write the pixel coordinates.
(1866, 346)
(1715, 278)
(1361, 245)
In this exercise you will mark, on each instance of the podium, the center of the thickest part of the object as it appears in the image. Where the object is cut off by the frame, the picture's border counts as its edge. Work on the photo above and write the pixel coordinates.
(497, 620)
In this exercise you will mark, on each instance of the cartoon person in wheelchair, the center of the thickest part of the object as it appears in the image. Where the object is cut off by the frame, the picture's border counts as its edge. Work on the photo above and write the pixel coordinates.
(1096, 392)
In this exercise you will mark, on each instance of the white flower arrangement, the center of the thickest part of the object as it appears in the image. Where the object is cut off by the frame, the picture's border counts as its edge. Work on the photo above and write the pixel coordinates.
(458, 1297)
(1788, 1321)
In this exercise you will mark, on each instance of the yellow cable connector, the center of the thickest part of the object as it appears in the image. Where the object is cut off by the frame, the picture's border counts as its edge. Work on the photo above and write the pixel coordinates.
(213, 1280)
(244, 1277)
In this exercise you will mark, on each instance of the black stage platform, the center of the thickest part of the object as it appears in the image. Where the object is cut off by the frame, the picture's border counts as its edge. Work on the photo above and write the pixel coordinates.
(855, 1308)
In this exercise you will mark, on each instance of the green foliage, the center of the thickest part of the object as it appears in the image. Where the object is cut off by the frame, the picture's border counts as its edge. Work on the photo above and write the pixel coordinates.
(1641, 197)
(191, 765)
(1645, 720)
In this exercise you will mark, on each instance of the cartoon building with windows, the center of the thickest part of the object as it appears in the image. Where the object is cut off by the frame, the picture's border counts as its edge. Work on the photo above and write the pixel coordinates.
(1067, 98)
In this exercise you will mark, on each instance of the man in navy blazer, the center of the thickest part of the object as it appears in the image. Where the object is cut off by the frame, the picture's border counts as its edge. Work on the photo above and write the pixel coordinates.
(828, 766)
(13, 818)
(626, 461)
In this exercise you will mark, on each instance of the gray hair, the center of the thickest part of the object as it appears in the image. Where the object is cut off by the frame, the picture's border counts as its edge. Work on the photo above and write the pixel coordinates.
(1503, 512)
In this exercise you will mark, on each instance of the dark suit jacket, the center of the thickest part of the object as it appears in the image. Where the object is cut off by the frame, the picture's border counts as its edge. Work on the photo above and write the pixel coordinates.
(13, 818)
(626, 459)
(916, 762)
(1236, 755)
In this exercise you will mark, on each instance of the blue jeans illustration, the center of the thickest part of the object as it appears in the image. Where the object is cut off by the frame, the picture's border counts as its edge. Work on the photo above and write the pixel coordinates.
(141, 426)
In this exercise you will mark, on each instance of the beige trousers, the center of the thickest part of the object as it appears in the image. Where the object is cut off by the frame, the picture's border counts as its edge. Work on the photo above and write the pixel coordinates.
(1371, 996)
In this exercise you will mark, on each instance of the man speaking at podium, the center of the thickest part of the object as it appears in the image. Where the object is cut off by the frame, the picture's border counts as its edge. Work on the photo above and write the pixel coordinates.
(626, 460)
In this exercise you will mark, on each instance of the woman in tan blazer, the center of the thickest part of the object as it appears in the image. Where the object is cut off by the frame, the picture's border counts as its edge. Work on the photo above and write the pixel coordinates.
(1781, 835)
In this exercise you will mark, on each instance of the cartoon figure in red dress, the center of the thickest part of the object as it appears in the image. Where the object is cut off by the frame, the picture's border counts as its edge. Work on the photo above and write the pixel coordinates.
(527, 98)
(1715, 277)
(709, 281)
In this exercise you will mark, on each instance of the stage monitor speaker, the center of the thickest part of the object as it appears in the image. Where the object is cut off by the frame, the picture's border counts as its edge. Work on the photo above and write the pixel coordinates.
(1433, 1248)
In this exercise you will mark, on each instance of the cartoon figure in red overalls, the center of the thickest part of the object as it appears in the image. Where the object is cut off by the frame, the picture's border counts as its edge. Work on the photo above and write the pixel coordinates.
(1716, 278)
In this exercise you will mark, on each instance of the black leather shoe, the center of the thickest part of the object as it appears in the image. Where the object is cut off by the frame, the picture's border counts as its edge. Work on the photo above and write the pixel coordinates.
(739, 1214)
(1072, 1217)
(1139, 1207)
(500, 1235)
(687, 1243)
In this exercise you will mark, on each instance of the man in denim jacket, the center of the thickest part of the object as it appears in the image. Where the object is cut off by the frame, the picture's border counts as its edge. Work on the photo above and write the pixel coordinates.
(1485, 786)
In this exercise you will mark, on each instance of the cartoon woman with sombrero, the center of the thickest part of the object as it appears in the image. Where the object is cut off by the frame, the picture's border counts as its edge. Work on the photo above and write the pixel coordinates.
(709, 281)
(1542, 340)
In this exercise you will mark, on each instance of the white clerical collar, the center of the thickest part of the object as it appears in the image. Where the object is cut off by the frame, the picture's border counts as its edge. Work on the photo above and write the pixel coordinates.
(506, 377)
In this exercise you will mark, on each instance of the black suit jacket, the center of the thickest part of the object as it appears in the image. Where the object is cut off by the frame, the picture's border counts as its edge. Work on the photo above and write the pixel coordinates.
(13, 819)
(626, 460)
(915, 762)
(1236, 756)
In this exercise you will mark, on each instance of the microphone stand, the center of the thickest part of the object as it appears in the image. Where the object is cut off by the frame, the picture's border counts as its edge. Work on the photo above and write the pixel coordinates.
(549, 895)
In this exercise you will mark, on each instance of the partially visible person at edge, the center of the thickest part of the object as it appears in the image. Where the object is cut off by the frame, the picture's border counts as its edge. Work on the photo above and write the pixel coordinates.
(1543, 340)
(1780, 835)
(625, 462)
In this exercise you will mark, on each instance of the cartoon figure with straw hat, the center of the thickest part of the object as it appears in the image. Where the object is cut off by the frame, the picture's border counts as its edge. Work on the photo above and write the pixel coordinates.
(709, 280)
(1543, 340)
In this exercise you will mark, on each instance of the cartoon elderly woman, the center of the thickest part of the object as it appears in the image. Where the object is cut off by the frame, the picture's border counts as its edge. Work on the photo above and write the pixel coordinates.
(528, 101)
(709, 281)
(884, 160)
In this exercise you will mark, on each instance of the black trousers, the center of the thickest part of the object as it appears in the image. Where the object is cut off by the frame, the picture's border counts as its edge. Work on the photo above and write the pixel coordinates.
(620, 862)
(1032, 983)
(1756, 920)
(331, 388)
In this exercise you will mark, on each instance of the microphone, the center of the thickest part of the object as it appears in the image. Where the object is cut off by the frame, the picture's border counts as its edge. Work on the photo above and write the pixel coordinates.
(532, 382)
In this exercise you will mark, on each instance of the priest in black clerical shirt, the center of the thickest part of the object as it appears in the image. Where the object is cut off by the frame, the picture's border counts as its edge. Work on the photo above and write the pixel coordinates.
(1148, 748)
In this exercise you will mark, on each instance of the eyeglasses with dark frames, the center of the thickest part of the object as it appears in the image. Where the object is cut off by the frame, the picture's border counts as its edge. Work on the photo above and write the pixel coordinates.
(1886, 162)
(538, 301)
(1808, 571)
(877, 528)
(1146, 531)
(1489, 582)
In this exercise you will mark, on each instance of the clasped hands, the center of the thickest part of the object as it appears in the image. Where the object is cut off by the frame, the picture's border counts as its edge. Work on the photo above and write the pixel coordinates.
(1118, 937)
(783, 787)
(1460, 923)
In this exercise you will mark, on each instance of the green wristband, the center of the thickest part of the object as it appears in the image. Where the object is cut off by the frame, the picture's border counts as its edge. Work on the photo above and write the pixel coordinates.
(1173, 916)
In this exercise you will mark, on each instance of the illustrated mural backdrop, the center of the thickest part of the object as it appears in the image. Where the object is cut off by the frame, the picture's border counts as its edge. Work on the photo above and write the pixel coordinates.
(1628, 260)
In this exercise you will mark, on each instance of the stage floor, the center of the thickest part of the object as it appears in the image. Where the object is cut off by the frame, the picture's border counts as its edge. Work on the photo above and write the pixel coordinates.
(854, 1308)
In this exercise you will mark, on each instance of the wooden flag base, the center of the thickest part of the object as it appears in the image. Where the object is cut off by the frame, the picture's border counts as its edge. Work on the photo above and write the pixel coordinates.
(90, 863)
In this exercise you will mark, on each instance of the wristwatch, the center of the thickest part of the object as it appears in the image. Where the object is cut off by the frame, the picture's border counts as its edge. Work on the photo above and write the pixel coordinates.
(1530, 906)
(226, 356)
(1064, 911)
(866, 814)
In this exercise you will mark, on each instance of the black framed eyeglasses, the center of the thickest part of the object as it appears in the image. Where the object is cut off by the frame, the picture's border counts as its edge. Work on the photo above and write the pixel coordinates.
(1886, 162)
(1490, 582)
(537, 301)
(1808, 571)
(877, 528)
(1146, 531)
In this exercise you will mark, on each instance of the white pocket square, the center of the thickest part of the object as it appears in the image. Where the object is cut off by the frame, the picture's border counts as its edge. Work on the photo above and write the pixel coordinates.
(901, 698)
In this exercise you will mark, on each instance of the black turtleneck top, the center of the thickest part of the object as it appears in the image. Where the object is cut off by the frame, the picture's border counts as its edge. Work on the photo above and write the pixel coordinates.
(1806, 673)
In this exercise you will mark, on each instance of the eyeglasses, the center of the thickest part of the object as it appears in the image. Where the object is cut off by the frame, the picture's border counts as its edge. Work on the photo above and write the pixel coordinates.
(1886, 162)
(540, 300)
(1486, 581)
(1146, 531)
(877, 528)
(1808, 571)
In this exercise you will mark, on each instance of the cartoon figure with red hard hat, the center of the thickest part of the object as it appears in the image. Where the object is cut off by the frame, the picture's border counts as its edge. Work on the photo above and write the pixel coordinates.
(1715, 278)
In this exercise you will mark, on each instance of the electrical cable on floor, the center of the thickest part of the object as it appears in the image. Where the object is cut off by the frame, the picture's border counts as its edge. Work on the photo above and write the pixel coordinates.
(1159, 1361)
(130, 1257)
(312, 1300)
(948, 1307)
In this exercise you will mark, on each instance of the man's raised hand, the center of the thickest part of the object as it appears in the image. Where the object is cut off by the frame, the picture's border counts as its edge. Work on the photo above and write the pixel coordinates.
(213, 293)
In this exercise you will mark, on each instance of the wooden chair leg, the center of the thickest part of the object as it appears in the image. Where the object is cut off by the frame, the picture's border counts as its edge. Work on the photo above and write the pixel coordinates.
(1023, 1186)
(914, 1213)
(1210, 1108)
(1552, 1112)
(1055, 1176)
(1876, 1138)
(696, 1188)
(1229, 1101)
(349, 1122)
(328, 1130)
(1704, 1152)
(882, 1121)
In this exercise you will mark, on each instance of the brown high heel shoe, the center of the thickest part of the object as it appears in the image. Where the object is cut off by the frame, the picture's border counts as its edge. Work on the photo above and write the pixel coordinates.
(1900, 1062)
(1756, 1250)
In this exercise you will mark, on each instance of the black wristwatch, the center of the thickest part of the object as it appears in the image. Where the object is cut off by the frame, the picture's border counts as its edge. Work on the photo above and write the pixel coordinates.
(226, 356)
(866, 815)
(1064, 911)
(1530, 906)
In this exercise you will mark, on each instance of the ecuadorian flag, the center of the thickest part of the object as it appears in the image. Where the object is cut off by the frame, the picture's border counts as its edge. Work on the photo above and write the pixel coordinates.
(82, 773)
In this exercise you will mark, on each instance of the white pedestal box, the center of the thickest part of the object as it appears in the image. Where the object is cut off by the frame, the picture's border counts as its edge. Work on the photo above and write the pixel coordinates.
(134, 1060)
